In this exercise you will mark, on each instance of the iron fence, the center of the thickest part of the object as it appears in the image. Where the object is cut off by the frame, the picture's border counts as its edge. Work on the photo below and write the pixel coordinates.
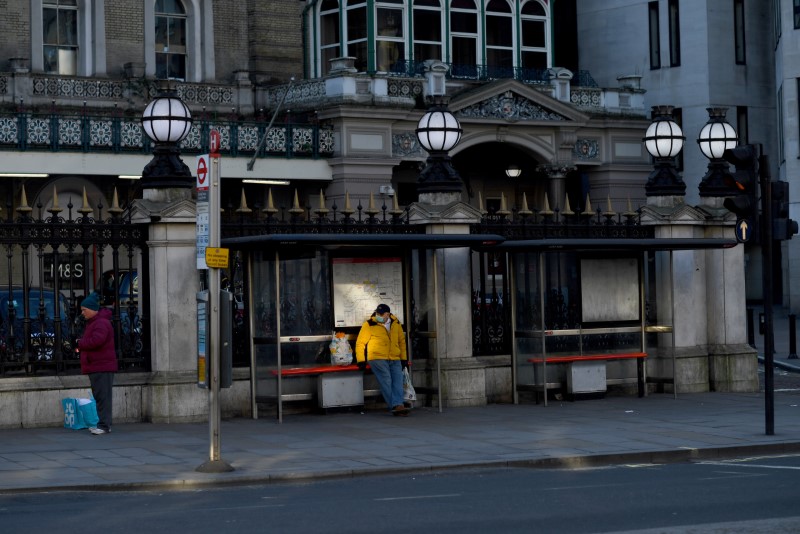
(54, 257)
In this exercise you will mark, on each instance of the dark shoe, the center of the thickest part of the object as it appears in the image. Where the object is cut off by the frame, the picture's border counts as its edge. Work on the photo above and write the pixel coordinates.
(400, 410)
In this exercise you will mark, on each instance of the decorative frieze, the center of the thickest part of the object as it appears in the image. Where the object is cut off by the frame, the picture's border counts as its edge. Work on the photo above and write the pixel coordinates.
(586, 149)
(509, 106)
(406, 144)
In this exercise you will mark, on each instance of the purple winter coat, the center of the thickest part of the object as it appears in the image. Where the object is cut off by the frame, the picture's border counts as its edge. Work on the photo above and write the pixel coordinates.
(97, 345)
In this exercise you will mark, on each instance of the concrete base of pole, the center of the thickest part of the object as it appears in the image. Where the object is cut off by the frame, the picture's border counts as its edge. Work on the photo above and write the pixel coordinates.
(215, 466)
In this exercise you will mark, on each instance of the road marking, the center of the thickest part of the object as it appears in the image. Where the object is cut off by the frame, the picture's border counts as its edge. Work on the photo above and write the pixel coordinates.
(762, 466)
(414, 497)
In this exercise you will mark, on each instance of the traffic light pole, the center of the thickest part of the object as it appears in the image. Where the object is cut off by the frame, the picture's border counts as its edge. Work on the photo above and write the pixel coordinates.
(766, 259)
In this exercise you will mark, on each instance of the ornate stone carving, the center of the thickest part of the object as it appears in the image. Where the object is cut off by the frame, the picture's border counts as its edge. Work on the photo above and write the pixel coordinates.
(406, 144)
(586, 149)
(509, 106)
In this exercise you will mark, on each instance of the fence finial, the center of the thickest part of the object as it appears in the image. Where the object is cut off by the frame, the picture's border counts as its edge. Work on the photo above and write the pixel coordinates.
(296, 209)
(23, 207)
(322, 210)
(270, 209)
(547, 212)
(114, 210)
(524, 211)
(348, 210)
(567, 210)
(371, 209)
(243, 204)
(85, 208)
(55, 208)
(587, 210)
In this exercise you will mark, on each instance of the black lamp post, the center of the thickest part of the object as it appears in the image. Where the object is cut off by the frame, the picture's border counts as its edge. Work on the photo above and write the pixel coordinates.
(438, 132)
(664, 140)
(166, 121)
(715, 138)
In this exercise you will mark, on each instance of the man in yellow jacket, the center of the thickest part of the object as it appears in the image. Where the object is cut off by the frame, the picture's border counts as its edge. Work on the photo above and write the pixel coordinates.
(382, 337)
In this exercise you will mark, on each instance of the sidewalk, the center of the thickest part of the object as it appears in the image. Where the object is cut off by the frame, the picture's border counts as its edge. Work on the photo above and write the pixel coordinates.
(780, 328)
(658, 428)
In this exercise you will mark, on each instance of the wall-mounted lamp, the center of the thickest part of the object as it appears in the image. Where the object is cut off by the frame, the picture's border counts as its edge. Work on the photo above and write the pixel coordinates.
(664, 140)
(513, 171)
(715, 138)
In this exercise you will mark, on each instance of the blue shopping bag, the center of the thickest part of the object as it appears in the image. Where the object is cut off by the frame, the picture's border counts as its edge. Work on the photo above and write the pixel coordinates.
(79, 413)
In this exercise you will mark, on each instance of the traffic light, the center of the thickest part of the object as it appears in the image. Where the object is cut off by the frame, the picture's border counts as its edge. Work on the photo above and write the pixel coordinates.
(782, 226)
(743, 182)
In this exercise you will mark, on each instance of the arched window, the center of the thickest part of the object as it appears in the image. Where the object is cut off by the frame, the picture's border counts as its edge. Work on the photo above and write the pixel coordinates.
(389, 35)
(170, 46)
(329, 36)
(464, 38)
(179, 40)
(427, 30)
(499, 39)
(60, 36)
(535, 36)
(356, 32)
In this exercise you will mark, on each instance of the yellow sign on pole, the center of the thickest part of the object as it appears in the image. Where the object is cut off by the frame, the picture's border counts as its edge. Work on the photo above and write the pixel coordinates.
(217, 258)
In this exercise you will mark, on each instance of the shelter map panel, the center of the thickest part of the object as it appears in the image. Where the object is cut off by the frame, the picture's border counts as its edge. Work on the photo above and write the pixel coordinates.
(360, 284)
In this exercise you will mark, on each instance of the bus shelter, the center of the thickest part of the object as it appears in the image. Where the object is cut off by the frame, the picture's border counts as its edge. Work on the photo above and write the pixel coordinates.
(585, 311)
(305, 287)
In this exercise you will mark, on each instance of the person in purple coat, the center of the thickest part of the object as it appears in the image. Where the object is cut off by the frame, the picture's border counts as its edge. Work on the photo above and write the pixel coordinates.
(98, 358)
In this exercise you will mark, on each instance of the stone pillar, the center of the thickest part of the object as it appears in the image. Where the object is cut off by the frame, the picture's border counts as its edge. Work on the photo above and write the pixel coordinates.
(463, 377)
(732, 363)
(701, 294)
(172, 394)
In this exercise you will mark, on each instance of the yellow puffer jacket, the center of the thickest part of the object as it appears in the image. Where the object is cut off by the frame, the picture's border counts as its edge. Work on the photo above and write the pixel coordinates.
(380, 343)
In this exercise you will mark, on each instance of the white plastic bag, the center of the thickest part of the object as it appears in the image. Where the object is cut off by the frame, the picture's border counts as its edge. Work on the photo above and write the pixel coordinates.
(409, 395)
(341, 351)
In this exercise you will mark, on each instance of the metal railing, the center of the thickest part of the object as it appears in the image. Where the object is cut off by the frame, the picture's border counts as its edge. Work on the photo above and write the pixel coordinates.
(54, 257)
(70, 130)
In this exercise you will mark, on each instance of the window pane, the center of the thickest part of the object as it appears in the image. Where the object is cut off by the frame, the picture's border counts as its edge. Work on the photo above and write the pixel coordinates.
(499, 6)
(68, 61)
(161, 66)
(427, 25)
(390, 22)
(389, 53)
(50, 58)
(498, 31)
(356, 24)
(329, 29)
(68, 27)
(532, 7)
(464, 51)
(462, 4)
(327, 55)
(463, 22)
(534, 60)
(429, 3)
(358, 51)
(533, 33)
(500, 63)
(177, 66)
(177, 34)
(424, 51)
(328, 5)
(170, 6)
(162, 24)
(50, 26)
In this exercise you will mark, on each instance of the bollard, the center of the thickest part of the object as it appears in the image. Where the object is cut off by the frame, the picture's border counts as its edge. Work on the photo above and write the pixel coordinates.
(751, 329)
(792, 337)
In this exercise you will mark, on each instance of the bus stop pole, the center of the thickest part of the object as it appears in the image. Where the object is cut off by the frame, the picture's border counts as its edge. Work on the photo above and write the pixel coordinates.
(215, 464)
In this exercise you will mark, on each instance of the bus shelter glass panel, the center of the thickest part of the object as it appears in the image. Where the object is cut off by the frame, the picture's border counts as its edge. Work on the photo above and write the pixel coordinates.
(293, 318)
(422, 320)
(547, 310)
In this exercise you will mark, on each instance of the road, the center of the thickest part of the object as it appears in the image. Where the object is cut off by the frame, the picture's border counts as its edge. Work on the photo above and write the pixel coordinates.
(735, 496)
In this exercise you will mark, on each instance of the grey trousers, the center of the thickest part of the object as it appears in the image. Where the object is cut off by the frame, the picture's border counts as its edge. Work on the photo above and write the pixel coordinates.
(102, 388)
